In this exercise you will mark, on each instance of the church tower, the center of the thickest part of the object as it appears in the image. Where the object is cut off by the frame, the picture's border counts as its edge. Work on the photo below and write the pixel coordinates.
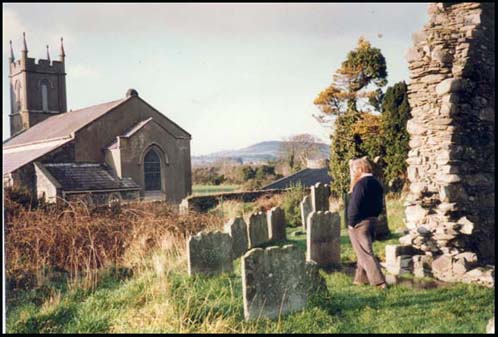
(37, 90)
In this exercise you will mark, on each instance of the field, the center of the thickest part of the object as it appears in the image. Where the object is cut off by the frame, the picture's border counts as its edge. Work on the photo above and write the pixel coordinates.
(156, 295)
(212, 189)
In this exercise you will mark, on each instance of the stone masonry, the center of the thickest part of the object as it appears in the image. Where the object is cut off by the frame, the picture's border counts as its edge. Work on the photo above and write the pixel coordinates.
(450, 206)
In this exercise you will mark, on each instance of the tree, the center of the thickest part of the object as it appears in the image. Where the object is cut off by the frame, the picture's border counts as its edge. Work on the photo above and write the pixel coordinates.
(395, 114)
(295, 150)
(355, 89)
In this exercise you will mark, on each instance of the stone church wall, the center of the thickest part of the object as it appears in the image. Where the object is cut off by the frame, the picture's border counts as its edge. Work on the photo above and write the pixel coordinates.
(450, 207)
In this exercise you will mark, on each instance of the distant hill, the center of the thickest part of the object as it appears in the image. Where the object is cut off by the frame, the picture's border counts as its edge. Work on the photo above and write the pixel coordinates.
(257, 153)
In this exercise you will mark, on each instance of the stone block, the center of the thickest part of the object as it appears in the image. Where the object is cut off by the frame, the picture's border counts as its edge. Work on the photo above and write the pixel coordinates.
(276, 224)
(442, 267)
(320, 197)
(274, 282)
(257, 229)
(209, 253)
(237, 228)
(449, 85)
(306, 209)
(323, 238)
(490, 328)
(422, 265)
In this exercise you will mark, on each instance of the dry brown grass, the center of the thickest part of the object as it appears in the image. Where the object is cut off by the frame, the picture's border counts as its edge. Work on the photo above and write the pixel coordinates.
(79, 241)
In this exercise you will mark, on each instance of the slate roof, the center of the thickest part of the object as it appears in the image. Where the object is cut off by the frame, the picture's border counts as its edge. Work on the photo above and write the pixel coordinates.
(14, 159)
(307, 177)
(88, 177)
(62, 125)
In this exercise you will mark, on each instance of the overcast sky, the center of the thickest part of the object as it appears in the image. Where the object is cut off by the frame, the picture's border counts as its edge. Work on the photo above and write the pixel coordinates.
(230, 74)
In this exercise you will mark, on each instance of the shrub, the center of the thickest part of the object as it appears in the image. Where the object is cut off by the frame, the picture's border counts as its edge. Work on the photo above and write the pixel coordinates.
(290, 204)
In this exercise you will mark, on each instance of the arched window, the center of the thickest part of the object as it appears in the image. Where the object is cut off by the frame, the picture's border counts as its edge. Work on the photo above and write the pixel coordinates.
(152, 171)
(17, 87)
(44, 91)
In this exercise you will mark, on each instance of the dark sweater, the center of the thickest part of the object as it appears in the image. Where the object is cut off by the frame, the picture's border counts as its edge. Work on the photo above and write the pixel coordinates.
(366, 200)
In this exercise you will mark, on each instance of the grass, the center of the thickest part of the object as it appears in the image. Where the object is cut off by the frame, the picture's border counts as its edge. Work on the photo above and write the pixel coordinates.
(213, 189)
(160, 297)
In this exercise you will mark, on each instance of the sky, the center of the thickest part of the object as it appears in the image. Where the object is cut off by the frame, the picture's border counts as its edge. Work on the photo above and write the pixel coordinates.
(230, 74)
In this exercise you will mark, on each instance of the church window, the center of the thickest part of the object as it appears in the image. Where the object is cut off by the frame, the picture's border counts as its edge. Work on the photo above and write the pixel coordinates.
(152, 171)
(44, 92)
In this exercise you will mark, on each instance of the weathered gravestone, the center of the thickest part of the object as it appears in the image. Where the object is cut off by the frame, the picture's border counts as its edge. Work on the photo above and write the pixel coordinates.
(257, 229)
(274, 281)
(237, 228)
(381, 229)
(276, 224)
(320, 197)
(209, 253)
(306, 209)
(323, 238)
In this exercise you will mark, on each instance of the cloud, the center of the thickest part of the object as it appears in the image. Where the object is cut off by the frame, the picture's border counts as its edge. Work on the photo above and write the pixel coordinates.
(83, 71)
(12, 26)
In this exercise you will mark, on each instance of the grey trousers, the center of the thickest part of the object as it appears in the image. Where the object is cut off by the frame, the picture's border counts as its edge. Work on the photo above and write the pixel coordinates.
(367, 266)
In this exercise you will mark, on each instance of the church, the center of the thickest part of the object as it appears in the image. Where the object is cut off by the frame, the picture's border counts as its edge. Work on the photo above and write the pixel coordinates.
(114, 151)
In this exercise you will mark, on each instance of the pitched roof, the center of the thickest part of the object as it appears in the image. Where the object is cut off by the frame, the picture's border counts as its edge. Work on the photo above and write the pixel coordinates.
(307, 177)
(130, 132)
(61, 125)
(15, 158)
(87, 177)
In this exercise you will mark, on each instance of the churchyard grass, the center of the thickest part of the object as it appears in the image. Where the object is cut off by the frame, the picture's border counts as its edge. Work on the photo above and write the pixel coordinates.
(158, 296)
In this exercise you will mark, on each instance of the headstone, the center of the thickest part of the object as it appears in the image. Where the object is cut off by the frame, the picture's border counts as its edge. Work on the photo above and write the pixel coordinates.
(320, 197)
(323, 238)
(209, 253)
(276, 224)
(274, 282)
(257, 229)
(237, 228)
(306, 209)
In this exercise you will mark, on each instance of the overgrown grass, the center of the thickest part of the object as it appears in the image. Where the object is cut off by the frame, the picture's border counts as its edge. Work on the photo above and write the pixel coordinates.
(158, 296)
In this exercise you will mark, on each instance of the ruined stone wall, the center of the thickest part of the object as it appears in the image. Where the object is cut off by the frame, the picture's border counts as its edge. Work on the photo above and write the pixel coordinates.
(450, 207)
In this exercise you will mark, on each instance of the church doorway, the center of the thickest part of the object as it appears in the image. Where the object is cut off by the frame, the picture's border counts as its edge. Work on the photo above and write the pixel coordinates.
(152, 171)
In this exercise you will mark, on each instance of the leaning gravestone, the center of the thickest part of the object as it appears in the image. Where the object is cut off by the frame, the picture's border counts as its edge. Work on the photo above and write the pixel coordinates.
(323, 238)
(237, 228)
(320, 194)
(257, 229)
(306, 209)
(276, 224)
(274, 281)
(209, 253)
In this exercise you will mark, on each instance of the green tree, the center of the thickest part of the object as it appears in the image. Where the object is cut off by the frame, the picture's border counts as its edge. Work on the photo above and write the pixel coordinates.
(395, 114)
(353, 91)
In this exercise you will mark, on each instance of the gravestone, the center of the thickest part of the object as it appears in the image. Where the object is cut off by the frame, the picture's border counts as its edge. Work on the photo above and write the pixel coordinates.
(276, 224)
(209, 253)
(257, 229)
(306, 209)
(237, 228)
(274, 281)
(323, 238)
(320, 197)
